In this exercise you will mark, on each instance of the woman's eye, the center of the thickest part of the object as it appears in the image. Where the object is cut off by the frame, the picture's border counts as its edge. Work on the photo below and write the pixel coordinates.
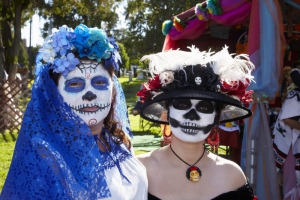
(182, 104)
(203, 108)
(75, 84)
(100, 83)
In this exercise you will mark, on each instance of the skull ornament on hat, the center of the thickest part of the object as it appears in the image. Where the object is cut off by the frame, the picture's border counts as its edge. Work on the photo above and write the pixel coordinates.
(217, 77)
(203, 87)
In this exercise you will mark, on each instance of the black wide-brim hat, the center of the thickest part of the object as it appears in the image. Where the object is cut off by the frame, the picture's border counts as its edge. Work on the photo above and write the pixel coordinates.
(216, 77)
(234, 109)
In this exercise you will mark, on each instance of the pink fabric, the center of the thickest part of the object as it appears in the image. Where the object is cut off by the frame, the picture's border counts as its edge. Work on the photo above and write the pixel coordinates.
(254, 29)
(229, 5)
(234, 17)
(193, 30)
(168, 44)
(289, 178)
(196, 27)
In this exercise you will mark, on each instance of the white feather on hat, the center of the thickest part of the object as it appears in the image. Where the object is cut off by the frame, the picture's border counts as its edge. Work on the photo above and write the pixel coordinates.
(229, 68)
(174, 60)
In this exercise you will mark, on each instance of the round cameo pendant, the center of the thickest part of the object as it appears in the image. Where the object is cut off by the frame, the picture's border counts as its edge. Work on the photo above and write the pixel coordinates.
(193, 173)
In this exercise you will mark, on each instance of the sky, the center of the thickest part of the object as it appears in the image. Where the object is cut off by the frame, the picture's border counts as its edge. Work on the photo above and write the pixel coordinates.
(38, 23)
(36, 38)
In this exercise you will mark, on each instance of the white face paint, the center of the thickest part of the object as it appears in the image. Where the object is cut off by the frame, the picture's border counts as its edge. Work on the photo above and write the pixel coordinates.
(191, 120)
(88, 91)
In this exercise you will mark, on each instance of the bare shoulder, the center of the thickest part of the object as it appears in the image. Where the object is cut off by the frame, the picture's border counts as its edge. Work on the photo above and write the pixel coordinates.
(229, 172)
(152, 158)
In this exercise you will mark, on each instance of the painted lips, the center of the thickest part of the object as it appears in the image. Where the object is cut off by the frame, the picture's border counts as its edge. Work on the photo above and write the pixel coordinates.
(90, 108)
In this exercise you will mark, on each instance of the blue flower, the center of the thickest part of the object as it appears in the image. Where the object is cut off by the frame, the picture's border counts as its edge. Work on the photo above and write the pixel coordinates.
(73, 61)
(61, 40)
(97, 35)
(82, 33)
(83, 50)
(112, 41)
(93, 43)
(60, 64)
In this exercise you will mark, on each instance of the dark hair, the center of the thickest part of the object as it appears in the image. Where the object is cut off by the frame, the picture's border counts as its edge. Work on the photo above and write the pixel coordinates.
(295, 76)
(114, 127)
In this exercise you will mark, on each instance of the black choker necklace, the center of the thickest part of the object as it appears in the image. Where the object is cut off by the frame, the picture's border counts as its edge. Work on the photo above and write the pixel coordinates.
(193, 173)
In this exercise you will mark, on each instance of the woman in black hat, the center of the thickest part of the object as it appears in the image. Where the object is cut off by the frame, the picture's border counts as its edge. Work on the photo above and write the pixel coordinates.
(193, 92)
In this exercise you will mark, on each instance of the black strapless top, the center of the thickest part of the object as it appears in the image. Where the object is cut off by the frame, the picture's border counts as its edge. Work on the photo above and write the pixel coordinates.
(243, 193)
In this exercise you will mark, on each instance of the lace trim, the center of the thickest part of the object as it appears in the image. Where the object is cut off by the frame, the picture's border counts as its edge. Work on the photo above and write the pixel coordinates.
(115, 156)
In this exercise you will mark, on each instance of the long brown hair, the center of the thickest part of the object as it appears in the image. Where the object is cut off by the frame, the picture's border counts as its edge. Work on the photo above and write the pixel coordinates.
(114, 127)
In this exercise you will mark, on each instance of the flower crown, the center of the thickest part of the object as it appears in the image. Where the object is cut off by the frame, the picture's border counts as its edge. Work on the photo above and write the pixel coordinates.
(59, 48)
(180, 70)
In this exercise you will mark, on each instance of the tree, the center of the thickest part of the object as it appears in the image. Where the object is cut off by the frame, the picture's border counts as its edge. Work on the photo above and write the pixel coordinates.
(13, 16)
(14, 13)
(74, 12)
(125, 59)
(23, 56)
(145, 19)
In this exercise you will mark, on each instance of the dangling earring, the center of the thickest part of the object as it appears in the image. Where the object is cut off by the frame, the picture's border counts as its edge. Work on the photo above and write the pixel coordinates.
(167, 134)
(213, 140)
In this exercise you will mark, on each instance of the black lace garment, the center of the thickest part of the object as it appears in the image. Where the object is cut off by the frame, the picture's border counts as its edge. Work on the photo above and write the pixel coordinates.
(243, 193)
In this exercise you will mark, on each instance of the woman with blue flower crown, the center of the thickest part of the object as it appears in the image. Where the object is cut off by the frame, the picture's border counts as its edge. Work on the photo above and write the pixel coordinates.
(74, 142)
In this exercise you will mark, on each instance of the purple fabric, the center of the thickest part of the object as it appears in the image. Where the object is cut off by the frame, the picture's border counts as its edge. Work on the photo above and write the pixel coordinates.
(196, 27)
(193, 30)
(289, 176)
(235, 17)
(229, 5)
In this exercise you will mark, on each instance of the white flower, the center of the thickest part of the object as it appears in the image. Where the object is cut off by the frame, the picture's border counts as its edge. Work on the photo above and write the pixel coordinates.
(48, 53)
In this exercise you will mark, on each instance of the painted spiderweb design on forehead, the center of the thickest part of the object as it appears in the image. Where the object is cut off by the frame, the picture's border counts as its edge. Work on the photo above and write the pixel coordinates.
(87, 66)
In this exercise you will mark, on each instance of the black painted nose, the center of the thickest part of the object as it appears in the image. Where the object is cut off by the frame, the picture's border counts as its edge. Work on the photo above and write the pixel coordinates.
(89, 96)
(191, 115)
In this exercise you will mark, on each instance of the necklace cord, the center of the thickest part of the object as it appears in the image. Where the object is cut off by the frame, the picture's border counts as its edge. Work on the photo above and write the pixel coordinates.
(183, 160)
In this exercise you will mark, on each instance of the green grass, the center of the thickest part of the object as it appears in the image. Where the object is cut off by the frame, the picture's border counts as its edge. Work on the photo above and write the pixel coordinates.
(7, 140)
(7, 145)
(130, 90)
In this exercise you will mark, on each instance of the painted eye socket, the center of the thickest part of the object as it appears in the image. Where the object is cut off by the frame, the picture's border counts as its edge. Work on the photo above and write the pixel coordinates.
(182, 104)
(206, 107)
(74, 85)
(100, 83)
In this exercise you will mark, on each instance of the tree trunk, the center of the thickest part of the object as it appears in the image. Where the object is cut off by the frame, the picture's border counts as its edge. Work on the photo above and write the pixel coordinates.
(2, 58)
(6, 31)
(16, 42)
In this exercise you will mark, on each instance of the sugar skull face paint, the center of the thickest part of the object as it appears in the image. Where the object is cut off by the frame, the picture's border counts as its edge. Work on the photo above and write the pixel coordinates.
(191, 120)
(88, 91)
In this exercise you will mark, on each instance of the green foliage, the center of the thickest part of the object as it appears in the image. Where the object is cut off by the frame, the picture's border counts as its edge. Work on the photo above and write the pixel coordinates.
(23, 56)
(74, 12)
(145, 20)
(125, 59)
(14, 13)
(32, 52)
